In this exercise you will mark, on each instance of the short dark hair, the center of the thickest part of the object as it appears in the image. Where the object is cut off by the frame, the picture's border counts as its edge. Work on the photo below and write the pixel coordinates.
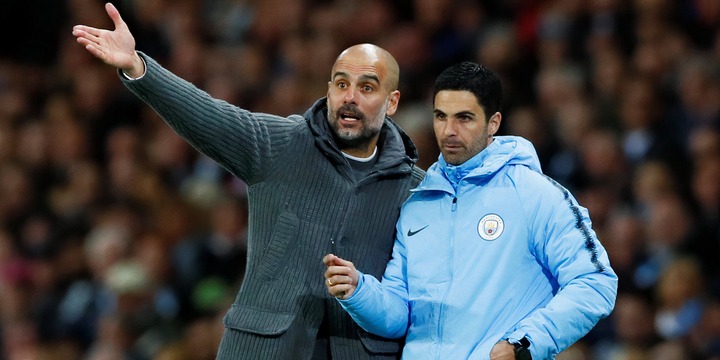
(475, 78)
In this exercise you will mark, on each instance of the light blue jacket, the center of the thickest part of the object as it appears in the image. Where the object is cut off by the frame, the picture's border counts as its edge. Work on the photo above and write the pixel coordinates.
(485, 251)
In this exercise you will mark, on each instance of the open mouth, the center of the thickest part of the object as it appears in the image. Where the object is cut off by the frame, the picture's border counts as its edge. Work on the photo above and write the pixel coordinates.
(349, 113)
(349, 117)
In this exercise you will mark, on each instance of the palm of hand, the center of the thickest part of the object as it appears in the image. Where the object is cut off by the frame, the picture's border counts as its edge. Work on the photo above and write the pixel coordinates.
(116, 47)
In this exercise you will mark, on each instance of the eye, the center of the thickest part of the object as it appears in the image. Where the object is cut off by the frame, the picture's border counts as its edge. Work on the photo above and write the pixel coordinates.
(342, 85)
(368, 88)
(465, 117)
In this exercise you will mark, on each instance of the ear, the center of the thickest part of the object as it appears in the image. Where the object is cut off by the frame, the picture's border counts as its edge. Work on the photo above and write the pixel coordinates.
(494, 123)
(393, 101)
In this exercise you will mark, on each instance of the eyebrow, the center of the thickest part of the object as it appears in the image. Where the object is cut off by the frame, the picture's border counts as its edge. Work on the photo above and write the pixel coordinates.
(364, 77)
(467, 113)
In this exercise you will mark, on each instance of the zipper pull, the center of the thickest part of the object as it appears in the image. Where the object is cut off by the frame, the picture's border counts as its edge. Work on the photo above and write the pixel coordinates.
(454, 203)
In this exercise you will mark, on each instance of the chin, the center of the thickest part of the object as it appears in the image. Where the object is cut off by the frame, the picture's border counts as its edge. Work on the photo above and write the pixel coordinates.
(453, 160)
(347, 135)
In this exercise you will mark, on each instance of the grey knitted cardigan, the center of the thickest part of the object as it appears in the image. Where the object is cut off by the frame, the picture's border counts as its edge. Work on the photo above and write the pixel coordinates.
(304, 203)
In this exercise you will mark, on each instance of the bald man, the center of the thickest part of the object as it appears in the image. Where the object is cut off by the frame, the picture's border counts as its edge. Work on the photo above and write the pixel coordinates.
(331, 180)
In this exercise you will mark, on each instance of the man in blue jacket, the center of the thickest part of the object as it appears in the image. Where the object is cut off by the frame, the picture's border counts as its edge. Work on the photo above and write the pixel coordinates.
(493, 259)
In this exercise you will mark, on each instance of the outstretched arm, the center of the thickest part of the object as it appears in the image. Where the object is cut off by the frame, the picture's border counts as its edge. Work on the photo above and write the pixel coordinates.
(116, 47)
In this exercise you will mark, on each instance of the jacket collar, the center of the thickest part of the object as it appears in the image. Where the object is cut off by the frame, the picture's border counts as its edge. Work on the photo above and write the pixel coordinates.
(394, 146)
(504, 150)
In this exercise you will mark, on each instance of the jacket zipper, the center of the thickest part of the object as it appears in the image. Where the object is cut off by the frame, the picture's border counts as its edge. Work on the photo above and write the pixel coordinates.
(453, 208)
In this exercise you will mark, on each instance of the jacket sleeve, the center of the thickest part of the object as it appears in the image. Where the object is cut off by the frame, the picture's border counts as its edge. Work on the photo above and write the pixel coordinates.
(566, 245)
(241, 141)
(382, 308)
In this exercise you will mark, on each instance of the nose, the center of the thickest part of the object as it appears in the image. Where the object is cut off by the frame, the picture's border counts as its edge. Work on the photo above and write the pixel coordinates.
(450, 128)
(350, 96)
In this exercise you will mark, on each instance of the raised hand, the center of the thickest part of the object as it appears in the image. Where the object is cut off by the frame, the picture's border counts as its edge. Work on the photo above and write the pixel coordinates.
(116, 47)
(341, 277)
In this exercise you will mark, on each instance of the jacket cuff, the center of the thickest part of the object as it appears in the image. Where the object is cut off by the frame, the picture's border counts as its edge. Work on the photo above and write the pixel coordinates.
(128, 77)
(515, 337)
(350, 300)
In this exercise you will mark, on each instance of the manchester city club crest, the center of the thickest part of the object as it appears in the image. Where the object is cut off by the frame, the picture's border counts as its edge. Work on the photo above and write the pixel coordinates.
(490, 227)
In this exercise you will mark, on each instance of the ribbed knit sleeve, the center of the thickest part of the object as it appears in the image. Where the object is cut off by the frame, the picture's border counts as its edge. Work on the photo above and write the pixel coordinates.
(243, 142)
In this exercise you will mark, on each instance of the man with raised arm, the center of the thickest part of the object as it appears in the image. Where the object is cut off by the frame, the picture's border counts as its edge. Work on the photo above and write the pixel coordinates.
(332, 180)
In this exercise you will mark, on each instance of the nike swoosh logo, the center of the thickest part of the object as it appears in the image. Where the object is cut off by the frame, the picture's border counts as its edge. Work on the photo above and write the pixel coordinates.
(411, 233)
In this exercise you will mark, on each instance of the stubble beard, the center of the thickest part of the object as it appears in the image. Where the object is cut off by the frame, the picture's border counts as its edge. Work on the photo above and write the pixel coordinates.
(351, 138)
(468, 153)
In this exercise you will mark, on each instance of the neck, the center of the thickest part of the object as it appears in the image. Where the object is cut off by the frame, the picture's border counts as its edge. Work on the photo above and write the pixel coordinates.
(361, 150)
(360, 158)
(360, 153)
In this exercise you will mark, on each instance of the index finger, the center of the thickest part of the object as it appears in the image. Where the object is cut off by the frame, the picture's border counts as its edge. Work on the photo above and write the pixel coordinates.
(80, 29)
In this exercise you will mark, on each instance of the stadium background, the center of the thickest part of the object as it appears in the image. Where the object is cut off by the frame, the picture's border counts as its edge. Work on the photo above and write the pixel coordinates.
(119, 241)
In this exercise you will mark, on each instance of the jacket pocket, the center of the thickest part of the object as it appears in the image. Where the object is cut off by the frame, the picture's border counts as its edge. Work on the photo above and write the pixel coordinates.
(379, 345)
(257, 321)
(274, 259)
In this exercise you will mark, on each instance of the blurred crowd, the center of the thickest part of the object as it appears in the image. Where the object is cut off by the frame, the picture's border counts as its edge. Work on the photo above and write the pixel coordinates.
(120, 241)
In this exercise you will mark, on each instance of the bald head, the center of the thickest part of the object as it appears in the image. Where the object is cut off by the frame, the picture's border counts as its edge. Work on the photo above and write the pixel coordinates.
(373, 58)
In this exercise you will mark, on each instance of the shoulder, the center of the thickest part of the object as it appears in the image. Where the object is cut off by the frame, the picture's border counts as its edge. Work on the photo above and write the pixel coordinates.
(298, 119)
(531, 184)
(418, 174)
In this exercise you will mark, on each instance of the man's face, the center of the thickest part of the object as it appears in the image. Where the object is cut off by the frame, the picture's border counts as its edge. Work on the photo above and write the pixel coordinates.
(358, 99)
(460, 127)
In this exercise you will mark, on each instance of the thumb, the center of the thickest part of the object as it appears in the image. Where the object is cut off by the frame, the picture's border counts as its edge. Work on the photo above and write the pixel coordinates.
(114, 14)
(342, 262)
(329, 260)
